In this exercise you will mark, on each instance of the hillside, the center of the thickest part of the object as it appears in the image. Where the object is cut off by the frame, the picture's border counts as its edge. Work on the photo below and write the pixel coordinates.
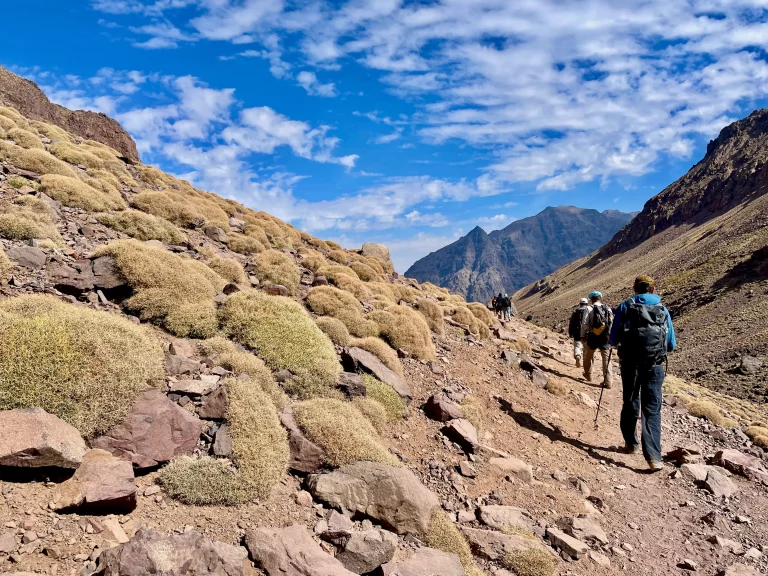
(480, 265)
(704, 238)
(192, 387)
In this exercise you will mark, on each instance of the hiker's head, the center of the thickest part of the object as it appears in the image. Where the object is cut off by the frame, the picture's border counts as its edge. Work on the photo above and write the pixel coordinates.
(645, 285)
(596, 296)
(583, 302)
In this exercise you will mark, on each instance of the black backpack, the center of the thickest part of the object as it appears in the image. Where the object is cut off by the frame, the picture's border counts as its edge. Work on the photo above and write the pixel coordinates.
(574, 326)
(645, 333)
(602, 318)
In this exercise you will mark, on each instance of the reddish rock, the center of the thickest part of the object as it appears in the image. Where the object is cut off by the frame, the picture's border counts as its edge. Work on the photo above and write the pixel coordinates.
(357, 359)
(463, 432)
(305, 456)
(106, 274)
(155, 431)
(32, 438)
(426, 562)
(742, 464)
(215, 405)
(440, 408)
(277, 290)
(103, 483)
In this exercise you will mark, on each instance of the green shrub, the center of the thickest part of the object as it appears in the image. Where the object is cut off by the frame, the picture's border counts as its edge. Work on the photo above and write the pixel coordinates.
(344, 434)
(231, 357)
(76, 193)
(19, 181)
(274, 267)
(473, 411)
(142, 226)
(228, 269)
(85, 366)
(330, 301)
(334, 329)
(385, 395)
(405, 328)
(531, 561)
(382, 351)
(171, 290)
(433, 314)
(284, 336)
(24, 138)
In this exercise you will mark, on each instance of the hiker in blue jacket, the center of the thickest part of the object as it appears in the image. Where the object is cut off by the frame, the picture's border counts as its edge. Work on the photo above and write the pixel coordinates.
(643, 334)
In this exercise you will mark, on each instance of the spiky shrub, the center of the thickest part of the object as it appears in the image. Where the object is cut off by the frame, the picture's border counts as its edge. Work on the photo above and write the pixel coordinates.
(314, 261)
(364, 271)
(339, 256)
(382, 351)
(408, 294)
(344, 434)
(85, 366)
(330, 301)
(12, 114)
(228, 269)
(373, 411)
(275, 267)
(443, 535)
(28, 219)
(234, 358)
(405, 328)
(25, 138)
(712, 412)
(243, 244)
(284, 335)
(473, 411)
(183, 210)
(556, 387)
(76, 193)
(5, 265)
(334, 329)
(532, 561)
(433, 314)
(36, 160)
(74, 154)
(385, 395)
(345, 279)
(6, 124)
(382, 291)
(482, 313)
(170, 290)
(50, 130)
(202, 481)
(142, 226)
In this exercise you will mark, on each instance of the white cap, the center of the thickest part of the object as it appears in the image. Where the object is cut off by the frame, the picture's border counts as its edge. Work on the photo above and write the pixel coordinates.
(583, 301)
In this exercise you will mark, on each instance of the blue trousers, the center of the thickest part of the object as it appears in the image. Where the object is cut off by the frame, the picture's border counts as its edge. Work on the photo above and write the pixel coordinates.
(642, 400)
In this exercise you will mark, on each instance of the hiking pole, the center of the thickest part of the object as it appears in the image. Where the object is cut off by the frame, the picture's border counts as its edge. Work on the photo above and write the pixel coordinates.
(599, 403)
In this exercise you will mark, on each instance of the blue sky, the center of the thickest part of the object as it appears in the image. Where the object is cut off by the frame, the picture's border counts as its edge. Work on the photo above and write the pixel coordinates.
(406, 122)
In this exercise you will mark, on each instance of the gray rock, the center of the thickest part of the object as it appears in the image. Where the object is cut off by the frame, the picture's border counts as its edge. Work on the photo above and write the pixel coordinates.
(585, 529)
(73, 278)
(357, 359)
(106, 274)
(463, 432)
(426, 562)
(306, 456)
(32, 438)
(690, 454)
(494, 546)
(749, 365)
(742, 464)
(514, 466)
(216, 234)
(27, 256)
(351, 384)
(567, 544)
(366, 551)
(199, 387)
(215, 405)
(502, 517)
(720, 485)
(7, 543)
(439, 407)
(739, 570)
(177, 364)
(222, 445)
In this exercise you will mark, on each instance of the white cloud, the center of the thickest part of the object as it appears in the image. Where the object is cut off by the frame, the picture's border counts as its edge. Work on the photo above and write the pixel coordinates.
(490, 223)
(310, 83)
(387, 138)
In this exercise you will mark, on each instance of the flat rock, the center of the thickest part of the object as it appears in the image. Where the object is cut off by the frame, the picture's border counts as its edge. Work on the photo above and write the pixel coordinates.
(584, 399)
(463, 432)
(155, 431)
(494, 546)
(27, 256)
(501, 517)
(739, 570)
(215, 404)
(291, 551)
(306, 456)
(690, 454)
(73, 278)
(514, 466)
(539, 378)
(742, 464)
(194, 387)
(365, 551)
(222, 445)
(568, 544)
(106, 274)
(720, 485)
(176, 364)
(392, 496)
(7, 543)
(355, 359)
(351, 384)
(585, 529)
(439, 407)
(150, 553)
(726, 544)
(32, 438)
(695, 472)
(102, 483)
(426, 562)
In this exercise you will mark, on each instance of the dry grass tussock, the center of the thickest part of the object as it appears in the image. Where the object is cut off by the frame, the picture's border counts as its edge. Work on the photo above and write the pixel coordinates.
(34, 160)
(171, 290)
(275, 267)
(5, 265)
(443, 535)
(13, 115)
(50, 130)
(142, 226)
(27, 219)
(464, 315)
(385, 395)
(25, 138)
(229, 269)
(473, 411)
(556, 387)
(339, 256)
(85, 366)
(382, 351)
(532, 561)
(74, 154)
(433, 314)
(311, 259)
(284, 335)
(77, 194)
(344, 434)
(364, 272)
(232, 357)
(373, 411)
(243, 244)
(283, 235)
(482, 313)
(202, 481)
(408, 294)
(345, 279)
(334, 329)
(712, 412)
(758, 432)
(6, 124)
(330, 301)
(405, 328)
(182, 210)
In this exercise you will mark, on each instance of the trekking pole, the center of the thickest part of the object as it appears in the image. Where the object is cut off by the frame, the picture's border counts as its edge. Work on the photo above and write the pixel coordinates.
(599, 403)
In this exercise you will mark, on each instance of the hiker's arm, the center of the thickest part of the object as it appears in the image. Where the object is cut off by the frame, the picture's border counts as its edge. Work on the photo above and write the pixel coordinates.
(613, 340)
(671, 340)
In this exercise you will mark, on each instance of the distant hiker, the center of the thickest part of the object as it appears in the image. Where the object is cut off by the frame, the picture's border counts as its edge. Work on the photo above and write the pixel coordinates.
(506, 308)
(578, 317)
(499, 305)
(643, 334)
(495, 305)
(597, 330)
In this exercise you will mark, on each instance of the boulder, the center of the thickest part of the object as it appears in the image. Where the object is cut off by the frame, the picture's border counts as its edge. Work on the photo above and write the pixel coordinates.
(155, 431)
(357, 359)
(463, 432)
(527, 363)
(426, 562)
(585, 529)
(510, 357)
(440, 408)
(501, 517)
(742, 464)
(351, 384)
(494, 546)
(568, 544)
(276, 290)
(27, 256)
(374, 250)
(365, 551)
(176, 364)
(7, 543)
(32, 438)
(584, 398)
(150, 553)
(339, 523)
(726, 544)
(216, 234)
(291, 551)
(306, 456)
(392, 496)
(739, 570)
(106, 274)
(514, 466)
(215, 404)
(749, 365)
(540, 378)
(101, 484)
(73, 278)
(695, 472)
(320, 281)
(719, 484)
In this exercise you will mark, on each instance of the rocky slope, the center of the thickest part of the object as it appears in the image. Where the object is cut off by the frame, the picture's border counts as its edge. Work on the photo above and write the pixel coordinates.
(704, 238)
(25, 96)
(208, 412)
(480, 265)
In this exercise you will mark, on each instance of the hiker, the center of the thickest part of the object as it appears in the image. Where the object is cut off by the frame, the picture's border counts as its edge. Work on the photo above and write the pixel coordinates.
(495, 305)
(597, 329)
(643, 334)
(499, 307)
(506, 308)
(575, 327)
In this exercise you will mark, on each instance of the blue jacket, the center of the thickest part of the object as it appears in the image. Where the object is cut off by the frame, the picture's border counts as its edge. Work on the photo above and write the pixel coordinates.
(648, 300)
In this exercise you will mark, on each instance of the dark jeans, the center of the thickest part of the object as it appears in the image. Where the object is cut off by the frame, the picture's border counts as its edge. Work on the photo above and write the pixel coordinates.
(642, 396)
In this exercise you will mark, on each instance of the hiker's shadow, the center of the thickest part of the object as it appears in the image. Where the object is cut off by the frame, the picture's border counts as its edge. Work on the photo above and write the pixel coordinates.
(556, 372)
(527, 420)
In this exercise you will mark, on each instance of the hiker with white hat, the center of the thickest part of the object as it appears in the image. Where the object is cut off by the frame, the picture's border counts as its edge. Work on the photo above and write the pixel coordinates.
(575, 328)
(596, 332)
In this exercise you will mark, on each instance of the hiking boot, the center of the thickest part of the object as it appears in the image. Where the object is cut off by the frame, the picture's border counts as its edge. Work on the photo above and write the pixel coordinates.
(655, 465)
(588, 377)
(628, 449)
